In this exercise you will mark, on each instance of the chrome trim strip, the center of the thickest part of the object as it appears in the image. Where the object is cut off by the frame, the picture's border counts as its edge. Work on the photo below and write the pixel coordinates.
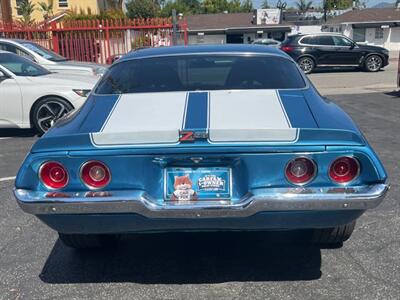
(333, 65)
(258, 200)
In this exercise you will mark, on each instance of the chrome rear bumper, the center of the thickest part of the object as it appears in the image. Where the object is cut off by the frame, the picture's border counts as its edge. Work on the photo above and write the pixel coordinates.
(260, 200)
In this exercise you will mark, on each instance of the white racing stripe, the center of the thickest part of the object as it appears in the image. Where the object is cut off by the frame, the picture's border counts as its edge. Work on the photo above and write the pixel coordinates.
(233, 117)
(148, 118)
(248, 116)
(7, 178)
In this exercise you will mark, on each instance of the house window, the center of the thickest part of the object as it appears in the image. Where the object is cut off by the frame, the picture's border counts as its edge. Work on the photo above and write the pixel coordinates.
(62, 3)
(359, 34)
(200, 38)
(378, 33)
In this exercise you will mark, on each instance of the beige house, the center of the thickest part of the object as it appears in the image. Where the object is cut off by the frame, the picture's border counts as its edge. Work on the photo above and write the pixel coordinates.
(59, 6)
(373, 26)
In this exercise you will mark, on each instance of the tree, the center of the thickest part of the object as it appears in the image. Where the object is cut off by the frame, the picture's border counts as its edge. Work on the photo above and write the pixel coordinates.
(265, 4)
(25, 8)
(46, 9)
(281, 5)
(218, 6)
(247, 6)
(116, 4)
(304, 6)
(142, 9)
(186, 7)
(329, 5)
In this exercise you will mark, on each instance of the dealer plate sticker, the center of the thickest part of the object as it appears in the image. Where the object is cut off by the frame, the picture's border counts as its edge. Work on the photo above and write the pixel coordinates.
(187, 184)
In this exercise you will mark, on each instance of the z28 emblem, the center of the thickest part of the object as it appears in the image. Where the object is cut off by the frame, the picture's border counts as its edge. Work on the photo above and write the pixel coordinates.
(191, 136)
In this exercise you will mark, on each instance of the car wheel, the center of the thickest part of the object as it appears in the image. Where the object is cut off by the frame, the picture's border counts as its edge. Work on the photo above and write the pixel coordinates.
(335, 235)
(373, 63)
(307, 64)
(87, 241)
(47, 111)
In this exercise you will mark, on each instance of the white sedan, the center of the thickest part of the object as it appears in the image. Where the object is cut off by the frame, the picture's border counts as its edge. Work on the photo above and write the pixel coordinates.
(33, 97)
(49, 59)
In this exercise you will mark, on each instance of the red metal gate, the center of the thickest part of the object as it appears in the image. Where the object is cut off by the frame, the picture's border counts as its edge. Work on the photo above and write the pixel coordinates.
(98, 41)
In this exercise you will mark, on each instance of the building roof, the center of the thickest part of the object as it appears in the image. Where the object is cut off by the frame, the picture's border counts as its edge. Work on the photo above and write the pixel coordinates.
(204, 49)
(225, 21)
(368, 15)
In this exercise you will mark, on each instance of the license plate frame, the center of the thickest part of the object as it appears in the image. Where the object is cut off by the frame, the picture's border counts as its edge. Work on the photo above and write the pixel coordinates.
(208, 184)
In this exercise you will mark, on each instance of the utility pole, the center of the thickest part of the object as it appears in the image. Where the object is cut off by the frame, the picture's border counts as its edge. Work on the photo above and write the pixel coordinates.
(174, 28)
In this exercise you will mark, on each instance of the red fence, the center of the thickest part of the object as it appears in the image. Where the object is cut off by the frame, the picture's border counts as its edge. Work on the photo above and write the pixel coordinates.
(99, 41)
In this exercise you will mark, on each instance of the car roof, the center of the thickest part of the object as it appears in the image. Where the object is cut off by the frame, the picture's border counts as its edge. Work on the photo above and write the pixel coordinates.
(316, 33)
(7, 52)
(265, 39)
(16, 40)
(203, 49)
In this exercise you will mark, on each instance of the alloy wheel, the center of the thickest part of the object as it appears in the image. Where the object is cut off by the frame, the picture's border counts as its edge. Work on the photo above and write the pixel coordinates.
(49, 112)
(374, 63)
(306, 64)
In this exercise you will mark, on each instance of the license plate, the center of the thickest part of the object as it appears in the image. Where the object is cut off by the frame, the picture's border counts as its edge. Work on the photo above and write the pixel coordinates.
(191, 184)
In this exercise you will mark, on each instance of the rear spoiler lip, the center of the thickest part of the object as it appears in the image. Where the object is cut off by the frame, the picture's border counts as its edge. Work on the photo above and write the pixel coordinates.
(307, 138)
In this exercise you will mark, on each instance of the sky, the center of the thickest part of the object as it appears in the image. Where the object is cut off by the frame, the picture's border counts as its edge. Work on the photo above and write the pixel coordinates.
(257, 3)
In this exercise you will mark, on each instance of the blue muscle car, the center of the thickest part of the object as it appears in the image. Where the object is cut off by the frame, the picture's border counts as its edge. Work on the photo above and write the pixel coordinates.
(202, 138)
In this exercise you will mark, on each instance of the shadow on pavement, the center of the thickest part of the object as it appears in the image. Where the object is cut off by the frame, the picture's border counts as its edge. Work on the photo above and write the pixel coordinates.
(181, 258)
(395, 93)
(17, 133)
(341, 70)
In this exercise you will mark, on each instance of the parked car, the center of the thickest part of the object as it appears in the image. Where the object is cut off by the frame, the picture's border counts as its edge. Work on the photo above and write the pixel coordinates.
(224, 137)
(49, 59)
(267, 42)
(398, 71)
(32, 96)
(311, 51)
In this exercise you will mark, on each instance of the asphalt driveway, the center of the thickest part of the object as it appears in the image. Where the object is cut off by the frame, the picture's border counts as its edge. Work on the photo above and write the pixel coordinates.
(35, 265)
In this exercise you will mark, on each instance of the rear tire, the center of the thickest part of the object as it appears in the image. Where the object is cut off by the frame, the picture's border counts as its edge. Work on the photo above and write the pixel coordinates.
(335, 235)
(47, 111)
(373, 63)
(87, 241)
(307, 64)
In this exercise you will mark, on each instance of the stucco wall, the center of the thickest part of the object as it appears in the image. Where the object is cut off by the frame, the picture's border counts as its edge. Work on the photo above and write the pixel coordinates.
(37, 15)
(207, 39)
(306, 29)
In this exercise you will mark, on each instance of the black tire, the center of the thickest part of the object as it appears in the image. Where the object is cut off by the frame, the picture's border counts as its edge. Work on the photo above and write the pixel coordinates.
(373, 63)
(47, 111)
(335, 235)
(87, 241)
(307, 64)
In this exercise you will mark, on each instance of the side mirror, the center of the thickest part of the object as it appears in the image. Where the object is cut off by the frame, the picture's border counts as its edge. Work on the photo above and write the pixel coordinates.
(352, 46)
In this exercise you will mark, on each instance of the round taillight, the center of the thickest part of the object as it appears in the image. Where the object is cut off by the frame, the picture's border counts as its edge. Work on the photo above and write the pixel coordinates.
(95, 174)
(53, 175)
(300, 170)
(344, 169)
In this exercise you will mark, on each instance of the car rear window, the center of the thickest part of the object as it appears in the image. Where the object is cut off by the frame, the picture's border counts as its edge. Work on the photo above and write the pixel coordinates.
(199, 72)
(291, 40)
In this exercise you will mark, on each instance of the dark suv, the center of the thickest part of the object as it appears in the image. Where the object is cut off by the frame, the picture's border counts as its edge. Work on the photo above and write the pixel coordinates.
(333, 50)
